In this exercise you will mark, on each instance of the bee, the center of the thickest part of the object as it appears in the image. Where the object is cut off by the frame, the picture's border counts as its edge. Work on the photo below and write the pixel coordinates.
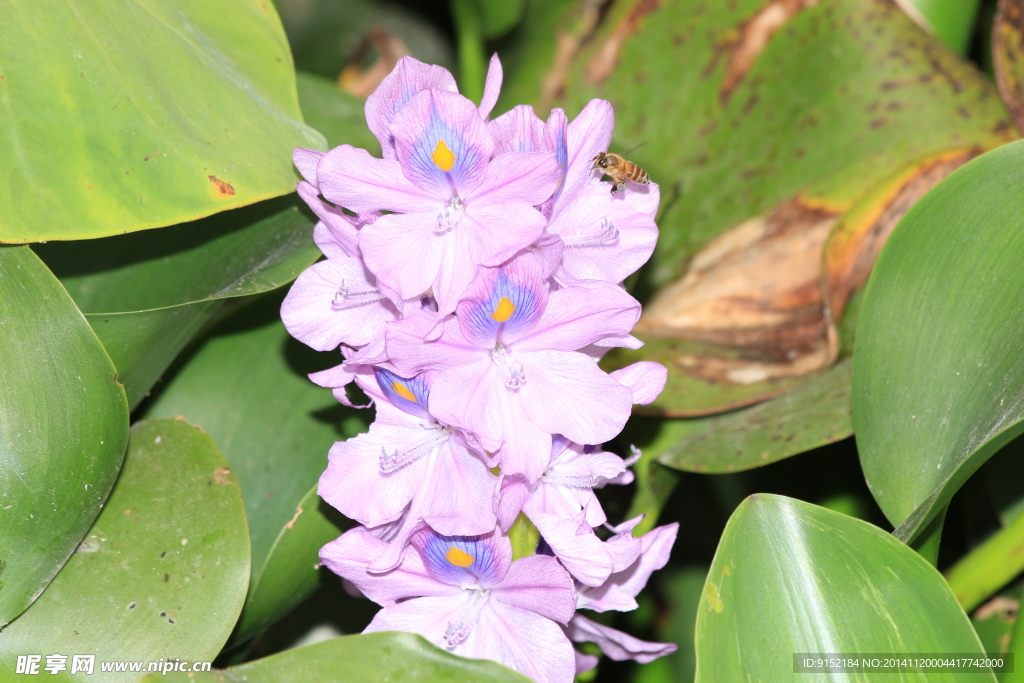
(620, 170)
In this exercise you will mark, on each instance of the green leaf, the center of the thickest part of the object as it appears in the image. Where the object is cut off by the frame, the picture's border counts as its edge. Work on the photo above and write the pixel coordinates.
(290, 572)
(371, 658)
(147, 293)
(162, 573)
(123, 115)
(336, 114)
(780, 119)
(790, 577)
(63, 428)
(246, 385)
(938, 385)
(814, 414)
(952, 21)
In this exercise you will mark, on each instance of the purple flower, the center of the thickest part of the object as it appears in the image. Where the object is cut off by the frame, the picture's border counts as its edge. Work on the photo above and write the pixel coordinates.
(614, 643)
(606, 237)
(456, 208)
(507, 366)
(619, 591)
(466, 595)
(335, 302)
(336, 233)
(408, 467)
(563, 507)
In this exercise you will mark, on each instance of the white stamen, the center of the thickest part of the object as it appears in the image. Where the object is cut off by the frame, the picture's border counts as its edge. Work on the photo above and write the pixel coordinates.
(457, 633)
(634, 457)
(606, 234)
(514, 377)
(571, 481)
(347, 298)
(392, 462)
(449, 217)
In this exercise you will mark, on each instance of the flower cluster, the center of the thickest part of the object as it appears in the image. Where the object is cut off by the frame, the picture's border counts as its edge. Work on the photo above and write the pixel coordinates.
(472, 282)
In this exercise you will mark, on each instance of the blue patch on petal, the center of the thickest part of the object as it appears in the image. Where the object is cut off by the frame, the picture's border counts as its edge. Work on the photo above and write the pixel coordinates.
(511, 307)
(443, 158)
(408, 394)
(457, 560)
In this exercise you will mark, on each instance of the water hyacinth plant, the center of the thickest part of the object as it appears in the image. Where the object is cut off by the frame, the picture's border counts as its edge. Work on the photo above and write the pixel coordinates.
(487, 382)
(505, 340)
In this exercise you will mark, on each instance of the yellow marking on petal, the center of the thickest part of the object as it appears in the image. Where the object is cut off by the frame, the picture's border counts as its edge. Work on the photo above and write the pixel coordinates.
(504, 310)
(458, 557)
(443, 156)
(403, 391)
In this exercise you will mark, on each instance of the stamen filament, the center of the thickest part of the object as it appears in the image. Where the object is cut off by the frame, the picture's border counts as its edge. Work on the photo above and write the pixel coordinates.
(392, 462)
(572, 481)
(606, 234)
(347, 298)
(514, 377)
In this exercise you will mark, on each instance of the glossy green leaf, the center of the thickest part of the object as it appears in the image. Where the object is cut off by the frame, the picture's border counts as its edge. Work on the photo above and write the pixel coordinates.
(122, 115)
(147, 293)
(63, 428)
(291, 570)
(163, 570)
(938, 385)
(790, 577)
(336, 114)
(397, 657)
(747, 107)
(814, 414)
(246, 385)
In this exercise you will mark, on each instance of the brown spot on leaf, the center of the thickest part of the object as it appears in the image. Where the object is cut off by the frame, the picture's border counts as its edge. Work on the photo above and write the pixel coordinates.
(1008, 56)
(754, 289)
(291, 522)
(1005, 609)
(753, 37)
(223, 189)
(222, 475)
(603, 63)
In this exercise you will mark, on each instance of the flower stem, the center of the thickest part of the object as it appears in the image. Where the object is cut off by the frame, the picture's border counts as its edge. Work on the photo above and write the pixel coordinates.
(469, 24)
(990, 566)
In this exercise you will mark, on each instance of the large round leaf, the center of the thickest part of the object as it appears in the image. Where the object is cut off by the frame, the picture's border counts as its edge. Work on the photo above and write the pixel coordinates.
(396, 657)
(163, 571)
(790, 577)
(147, 293)
(122, 115)
(939, 364)
(63, 428)
(246, 385)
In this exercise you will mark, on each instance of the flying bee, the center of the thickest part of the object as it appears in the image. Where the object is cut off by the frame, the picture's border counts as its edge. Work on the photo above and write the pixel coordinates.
(620, 170)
